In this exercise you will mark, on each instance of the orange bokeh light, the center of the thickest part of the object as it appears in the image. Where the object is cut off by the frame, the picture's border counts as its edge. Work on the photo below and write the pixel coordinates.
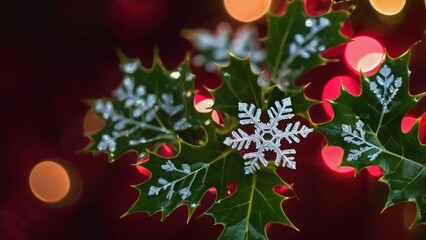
(92, 122)
(364, 54)
(247, 10)
(49, 181)
(388, 7)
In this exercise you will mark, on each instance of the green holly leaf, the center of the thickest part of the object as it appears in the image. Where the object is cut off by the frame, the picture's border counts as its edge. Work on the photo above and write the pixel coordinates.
(300, 102)
(247, 212)
(212, 47)
(150, 106)
(184, 179)
(239, 85)
(368, 128)
(295, 41)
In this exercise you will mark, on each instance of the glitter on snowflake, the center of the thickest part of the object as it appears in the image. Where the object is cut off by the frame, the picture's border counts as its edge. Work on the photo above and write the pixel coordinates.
(267, 136)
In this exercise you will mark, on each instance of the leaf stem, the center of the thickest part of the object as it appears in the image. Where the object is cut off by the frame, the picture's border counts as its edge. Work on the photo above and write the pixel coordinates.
(250, 205)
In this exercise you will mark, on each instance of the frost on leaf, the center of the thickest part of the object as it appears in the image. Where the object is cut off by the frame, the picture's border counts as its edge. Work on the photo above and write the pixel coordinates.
(368, 128)
(267, 136)
(357, 137)
(150, 106)
(181, 183)
(295, 41)
(302, 46)
(213, 47)
(385, 87)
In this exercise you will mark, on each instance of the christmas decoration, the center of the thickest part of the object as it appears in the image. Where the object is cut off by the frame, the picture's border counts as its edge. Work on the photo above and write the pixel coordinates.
(258, 99)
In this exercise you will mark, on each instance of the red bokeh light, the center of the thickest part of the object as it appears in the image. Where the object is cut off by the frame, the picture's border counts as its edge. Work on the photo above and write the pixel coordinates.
(316, 8)
(375, 171)
(422, 130)
(407, 123)
(164, 150)
(283, 191)
(278, 7)
(203, 101)
(231, 188)
(332, 157)
(331, 91)
(218, 118)
(364, 54)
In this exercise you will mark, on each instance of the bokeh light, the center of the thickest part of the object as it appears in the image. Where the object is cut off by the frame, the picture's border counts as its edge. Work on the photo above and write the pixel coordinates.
(332, 89)
(407, 123)
(247, 10)
(316, 8)
(218, 118)
(92, 122)
(163, 150)
(283, 191)
(203, 101)
(49, 181)
(278, 7)
(364, 54)
(388, 7)
(375, 171)
(333, 156)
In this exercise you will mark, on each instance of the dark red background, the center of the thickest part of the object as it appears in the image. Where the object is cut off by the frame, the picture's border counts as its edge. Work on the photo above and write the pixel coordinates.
(56, 53)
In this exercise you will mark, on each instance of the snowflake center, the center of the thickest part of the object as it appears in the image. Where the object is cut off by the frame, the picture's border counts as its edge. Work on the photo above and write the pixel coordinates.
(267, 136)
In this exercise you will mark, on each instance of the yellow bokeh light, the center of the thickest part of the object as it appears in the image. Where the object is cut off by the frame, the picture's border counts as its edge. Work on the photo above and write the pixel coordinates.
(388, 7)
(247, 10)
(49, 181)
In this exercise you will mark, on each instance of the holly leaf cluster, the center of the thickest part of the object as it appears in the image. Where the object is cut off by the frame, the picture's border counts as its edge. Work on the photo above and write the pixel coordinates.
(150, 106)
(155, 106)
(295, 42)
(368, 128)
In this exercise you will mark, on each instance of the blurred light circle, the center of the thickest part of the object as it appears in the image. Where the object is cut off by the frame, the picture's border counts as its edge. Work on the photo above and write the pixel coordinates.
(364, 54)
(49, 181)
(203, 102)
(407, 123)
(375, 171)
(278, 7)
(218, 118)
(92, 122)
(332, 157)
(388, 7)
(332, 89)
(317, 8)
(204, 106)
(247, 10)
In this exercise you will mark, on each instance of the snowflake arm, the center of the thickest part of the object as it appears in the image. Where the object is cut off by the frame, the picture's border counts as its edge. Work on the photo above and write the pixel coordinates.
(247, 115)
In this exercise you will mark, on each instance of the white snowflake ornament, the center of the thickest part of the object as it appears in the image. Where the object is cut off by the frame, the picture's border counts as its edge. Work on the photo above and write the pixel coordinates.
(267, 136)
